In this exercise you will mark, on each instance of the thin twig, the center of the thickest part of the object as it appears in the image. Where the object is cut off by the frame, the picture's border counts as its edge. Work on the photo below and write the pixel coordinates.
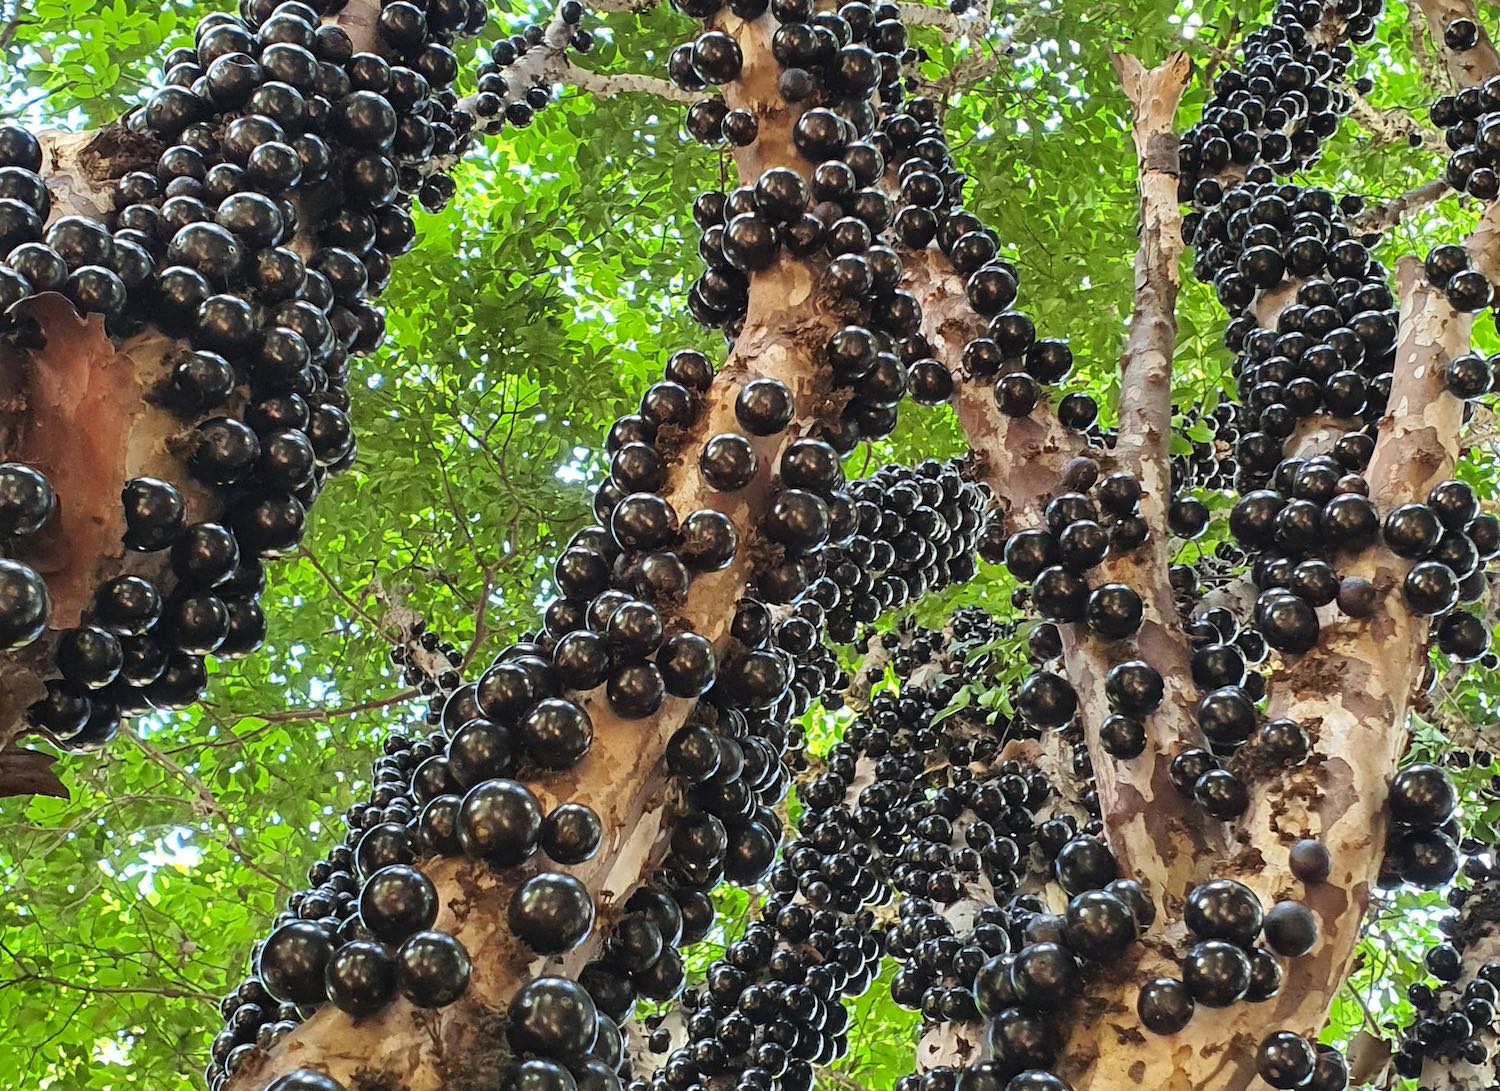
(204, 802)
(106, 990)
(10, 23)
(841, 1080)
(376, 625)
(326, 715)
(1371, 1023)
(1223, 52)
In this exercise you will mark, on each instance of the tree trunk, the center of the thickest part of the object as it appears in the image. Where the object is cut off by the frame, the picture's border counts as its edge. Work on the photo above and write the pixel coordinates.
(1156, 835)
(84, 409)
(1468, 67)
(1352, 693)
(622, 777)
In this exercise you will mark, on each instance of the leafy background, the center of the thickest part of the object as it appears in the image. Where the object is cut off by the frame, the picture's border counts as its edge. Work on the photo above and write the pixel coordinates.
(532, 312)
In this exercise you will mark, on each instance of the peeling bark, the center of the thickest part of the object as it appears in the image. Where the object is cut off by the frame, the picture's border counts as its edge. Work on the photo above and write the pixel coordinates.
(1484, 243)
(622, 777)
(25, 772)
(80, 406)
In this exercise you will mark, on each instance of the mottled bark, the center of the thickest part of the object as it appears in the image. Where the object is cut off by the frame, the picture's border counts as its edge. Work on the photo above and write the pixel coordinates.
(955, 1044)
(622, 777)
(87, 409)
(1158, 837)
(1021, 458)
(1352, 693)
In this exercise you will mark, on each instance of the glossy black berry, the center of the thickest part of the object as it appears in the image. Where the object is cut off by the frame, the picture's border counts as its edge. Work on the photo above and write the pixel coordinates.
(432, 969)
(1165, 1005)
(1216, 973)
(551, 913)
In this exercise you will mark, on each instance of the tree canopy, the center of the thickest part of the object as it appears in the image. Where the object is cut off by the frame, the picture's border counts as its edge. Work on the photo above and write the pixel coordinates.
(533, 311)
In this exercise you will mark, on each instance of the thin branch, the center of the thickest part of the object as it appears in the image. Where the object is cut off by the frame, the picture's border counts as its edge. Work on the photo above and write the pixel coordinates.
(376, 625)
(931, 15)
(1388, 127)
(10, 23)
(1372, 1025)
(1223, 52)
(21, 108)
(326, 715)
(269, 720)
(105, 990)
(481, 617)
(842, 1080)
(608, 86)
(986, 52)
(1375, 221)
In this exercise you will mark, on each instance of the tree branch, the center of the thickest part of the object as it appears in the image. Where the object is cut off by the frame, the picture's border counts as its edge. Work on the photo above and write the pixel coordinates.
(1352, 694)
(10, 22)
(1479, 924)
(628, 7)
(1393, 126)
(931, 15)
(1381, 218)
(204, 803)
(986, 54)
(1431, 70)
(608, 86)
(1021, 458)
(1155, 836)
(165, 992)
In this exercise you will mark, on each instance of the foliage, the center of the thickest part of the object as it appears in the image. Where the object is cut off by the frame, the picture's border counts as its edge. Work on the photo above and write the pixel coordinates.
(532, 312)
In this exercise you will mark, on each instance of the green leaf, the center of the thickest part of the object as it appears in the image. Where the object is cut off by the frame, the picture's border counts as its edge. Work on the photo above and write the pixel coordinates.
(960, 701)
